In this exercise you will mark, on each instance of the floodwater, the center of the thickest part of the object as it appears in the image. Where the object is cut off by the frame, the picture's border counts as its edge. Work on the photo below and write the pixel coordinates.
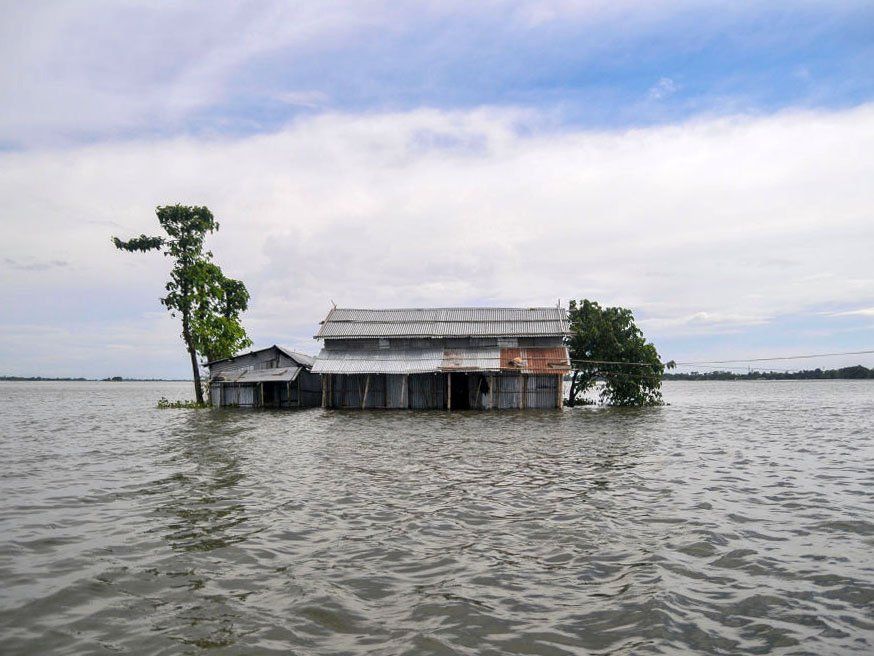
(739, 519)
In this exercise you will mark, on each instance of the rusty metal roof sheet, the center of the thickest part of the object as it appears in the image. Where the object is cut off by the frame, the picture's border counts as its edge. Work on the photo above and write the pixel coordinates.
(444, 322)
(535, 360)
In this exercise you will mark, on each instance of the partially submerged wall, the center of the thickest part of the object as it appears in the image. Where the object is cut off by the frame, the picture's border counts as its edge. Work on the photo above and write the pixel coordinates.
(484, 391)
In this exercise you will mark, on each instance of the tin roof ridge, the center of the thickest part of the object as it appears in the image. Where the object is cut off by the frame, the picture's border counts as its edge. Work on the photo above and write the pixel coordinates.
(453, 307)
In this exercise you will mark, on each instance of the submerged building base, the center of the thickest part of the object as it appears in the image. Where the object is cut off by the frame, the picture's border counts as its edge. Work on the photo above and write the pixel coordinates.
(435, 391)
(267, 394)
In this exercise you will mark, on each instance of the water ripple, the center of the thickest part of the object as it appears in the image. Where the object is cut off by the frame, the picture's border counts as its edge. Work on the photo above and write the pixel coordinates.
(736, 520)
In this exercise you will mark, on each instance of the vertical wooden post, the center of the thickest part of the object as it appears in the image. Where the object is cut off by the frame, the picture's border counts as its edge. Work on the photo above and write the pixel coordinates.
(523, 401)
(559, 392)
(261, 392)
(492, 393)
(299, 397)
(449, 391)
(325, 390)
(366, 390)
(405, 392)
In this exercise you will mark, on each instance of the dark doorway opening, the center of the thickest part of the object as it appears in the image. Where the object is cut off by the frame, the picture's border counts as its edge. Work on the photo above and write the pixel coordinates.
(272, 394)
(459, 389)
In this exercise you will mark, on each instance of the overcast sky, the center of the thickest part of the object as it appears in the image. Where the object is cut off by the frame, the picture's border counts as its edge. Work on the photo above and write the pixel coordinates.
(709, 165)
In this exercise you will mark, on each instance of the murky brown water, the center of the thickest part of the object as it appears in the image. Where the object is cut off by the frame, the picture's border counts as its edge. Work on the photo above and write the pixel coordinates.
(740, 519)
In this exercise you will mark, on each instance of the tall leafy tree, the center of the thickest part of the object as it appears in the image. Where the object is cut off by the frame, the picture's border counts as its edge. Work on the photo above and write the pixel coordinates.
(605, 344)
(216, 327)
(208, 303)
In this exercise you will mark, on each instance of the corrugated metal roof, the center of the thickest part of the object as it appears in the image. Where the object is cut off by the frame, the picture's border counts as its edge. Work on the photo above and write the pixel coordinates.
(471, 359)
(444, 322)
(281, 375)
(300, 358)
(409, 361)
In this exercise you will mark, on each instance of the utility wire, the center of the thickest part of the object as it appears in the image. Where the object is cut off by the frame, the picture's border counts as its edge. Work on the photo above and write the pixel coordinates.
(787, 357)
(636, 364)
(715, 362)
(736, 368)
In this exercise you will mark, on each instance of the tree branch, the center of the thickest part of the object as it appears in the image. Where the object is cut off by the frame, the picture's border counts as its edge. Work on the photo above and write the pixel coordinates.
(143, 243)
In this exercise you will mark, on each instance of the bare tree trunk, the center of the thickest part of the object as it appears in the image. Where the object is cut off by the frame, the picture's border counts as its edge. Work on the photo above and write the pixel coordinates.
(572, 396)
(195, 369)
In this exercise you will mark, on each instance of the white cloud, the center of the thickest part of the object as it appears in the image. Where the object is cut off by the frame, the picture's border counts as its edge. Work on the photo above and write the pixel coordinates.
(706, 226)
(98, 67)
(862, 312)
(76, 69)
(309, 99)
(662, 89)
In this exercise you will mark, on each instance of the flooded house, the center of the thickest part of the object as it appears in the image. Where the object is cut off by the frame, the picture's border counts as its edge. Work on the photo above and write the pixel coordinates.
(272, 377)
(443, 358)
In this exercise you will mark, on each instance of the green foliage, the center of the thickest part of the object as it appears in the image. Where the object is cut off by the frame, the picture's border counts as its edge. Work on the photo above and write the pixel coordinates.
(164, 404)
(216, 326)
(142, 243)
(602, 340)
(208, 303)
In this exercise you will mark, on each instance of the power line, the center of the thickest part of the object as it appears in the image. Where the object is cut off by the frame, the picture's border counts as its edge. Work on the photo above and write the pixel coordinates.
(709, 369)
(718, 362)
(637, 364)
(787, 357)
(734, 368)
(655, 364)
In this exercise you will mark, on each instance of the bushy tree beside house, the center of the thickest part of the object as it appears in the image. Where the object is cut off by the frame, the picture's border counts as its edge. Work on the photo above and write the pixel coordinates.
(606, 345)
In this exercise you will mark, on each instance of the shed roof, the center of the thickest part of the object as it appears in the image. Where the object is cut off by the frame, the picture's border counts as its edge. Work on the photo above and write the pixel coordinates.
(351, 323)
(531, 360)
(281, 375)
(300, 358)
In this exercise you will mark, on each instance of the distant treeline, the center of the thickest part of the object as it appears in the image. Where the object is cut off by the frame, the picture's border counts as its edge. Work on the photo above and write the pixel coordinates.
(846, 373)
(113, 379)
(38, 378)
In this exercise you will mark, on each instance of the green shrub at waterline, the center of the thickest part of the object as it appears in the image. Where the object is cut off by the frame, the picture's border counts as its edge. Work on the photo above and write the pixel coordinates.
(164, 403)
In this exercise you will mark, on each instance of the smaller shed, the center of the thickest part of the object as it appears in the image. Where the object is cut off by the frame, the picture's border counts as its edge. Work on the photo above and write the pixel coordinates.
(273, 377)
